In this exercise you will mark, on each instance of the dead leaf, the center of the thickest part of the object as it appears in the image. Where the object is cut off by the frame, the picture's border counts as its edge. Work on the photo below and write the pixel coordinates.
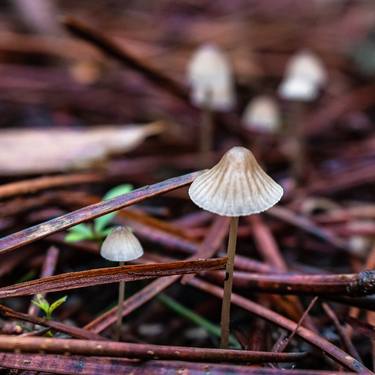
(31, 151)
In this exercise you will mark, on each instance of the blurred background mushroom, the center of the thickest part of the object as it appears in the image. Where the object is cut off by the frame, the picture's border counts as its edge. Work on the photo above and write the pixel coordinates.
(212, 89)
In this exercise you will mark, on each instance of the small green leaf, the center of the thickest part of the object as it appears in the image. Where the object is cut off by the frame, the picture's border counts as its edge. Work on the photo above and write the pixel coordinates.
(75, 237)
(81, 228)
(101, 222)
(42, 303)
(56, 304)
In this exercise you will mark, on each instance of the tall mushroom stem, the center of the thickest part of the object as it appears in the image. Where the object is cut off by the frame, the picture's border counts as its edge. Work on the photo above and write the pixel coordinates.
(121, 298)
(207, 130)
(296, 133)
(225, 310)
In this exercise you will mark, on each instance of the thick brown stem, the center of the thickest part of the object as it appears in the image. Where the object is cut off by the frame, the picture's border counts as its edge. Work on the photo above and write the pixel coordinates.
(121, 297)
(225, 310)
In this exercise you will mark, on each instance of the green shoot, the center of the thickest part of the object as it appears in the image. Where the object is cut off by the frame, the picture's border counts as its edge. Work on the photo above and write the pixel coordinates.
(99, 230)
(46, 307)
(211, 328)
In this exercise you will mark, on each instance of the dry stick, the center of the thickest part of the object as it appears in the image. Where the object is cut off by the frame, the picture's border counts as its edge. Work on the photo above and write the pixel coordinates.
(341, 331)
(359, 175)
(142, 351)
(56, 326)
(285, 342)
(89, 365)
(47, 182)
(100, 276)
(70, 219)
(267, 245)
(120, 306)
(275, 318)
(306, 225)
(367, 302)
(352, 284)
(118, 52)
(225, 309)
(209, 246)
(356, 100)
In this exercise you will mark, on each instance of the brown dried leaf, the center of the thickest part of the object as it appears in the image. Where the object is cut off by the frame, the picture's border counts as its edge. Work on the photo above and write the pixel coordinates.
(30, 151)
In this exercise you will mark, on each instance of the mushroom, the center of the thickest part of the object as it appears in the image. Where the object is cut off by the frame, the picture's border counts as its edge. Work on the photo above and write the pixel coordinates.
(262, 114)
(212, 88)
(121, 245)
(236, 186)
(305, 76)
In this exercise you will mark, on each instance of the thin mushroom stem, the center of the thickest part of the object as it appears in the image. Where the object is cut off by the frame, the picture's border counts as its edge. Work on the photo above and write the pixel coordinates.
(207, 127)
(296, 132)
(121, 298)
(225, 310)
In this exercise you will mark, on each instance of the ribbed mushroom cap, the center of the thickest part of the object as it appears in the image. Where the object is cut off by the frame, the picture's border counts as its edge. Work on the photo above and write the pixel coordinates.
(211, 79)
(121, 245)
(236, 186)
(262, 113)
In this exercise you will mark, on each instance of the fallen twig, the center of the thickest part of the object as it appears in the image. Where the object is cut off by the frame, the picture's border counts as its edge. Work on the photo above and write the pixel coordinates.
(322, 344)
(142, 351)
(36, 232)
(73, 280)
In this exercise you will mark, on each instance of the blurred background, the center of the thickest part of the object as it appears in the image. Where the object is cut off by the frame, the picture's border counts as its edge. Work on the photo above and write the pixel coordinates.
(51, 79)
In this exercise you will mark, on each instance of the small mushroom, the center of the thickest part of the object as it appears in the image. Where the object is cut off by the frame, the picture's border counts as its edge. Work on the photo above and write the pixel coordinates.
(304, 78)
(236, 186)
(212, 88)
(121, 245)
(262, 114)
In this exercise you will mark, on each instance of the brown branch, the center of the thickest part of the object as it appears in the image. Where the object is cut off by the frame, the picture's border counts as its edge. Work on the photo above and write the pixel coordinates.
(345, 339)
(113, 49)
(39, 231)
(57, 326)
(322, 344)
(141, 351)
(46, 182)
(355, 285)
(267, 246)
(306, 225)
(73, 280)
(83, 365)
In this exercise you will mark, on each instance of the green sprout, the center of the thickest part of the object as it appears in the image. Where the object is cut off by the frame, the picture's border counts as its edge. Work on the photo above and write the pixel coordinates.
(99, 229)
(46, 307)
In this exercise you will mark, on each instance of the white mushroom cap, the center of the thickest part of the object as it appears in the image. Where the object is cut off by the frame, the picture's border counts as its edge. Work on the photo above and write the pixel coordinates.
(307, 65)
(298, 89)
(305, 76)
(121, 245)
(262, 113)
(236, 186)
(360, 245)
(211, 79)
